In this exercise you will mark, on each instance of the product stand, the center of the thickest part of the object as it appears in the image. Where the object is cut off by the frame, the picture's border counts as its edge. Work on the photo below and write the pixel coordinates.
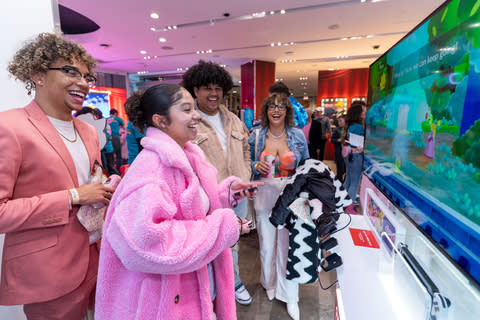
(374, 283)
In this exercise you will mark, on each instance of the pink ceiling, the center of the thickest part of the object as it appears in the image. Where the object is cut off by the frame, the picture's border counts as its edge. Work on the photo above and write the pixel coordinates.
(125, 25)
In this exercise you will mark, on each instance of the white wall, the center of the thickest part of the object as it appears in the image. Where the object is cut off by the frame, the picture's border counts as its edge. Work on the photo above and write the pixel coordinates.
(20, 20)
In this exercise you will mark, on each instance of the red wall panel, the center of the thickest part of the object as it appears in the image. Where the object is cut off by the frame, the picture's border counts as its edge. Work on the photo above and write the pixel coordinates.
(349, 83)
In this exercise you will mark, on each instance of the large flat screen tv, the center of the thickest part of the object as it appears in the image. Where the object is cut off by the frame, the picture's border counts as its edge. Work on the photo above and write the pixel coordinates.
(423, 128)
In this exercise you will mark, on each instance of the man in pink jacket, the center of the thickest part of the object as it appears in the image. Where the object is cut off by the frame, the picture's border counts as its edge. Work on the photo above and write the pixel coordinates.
(48, 264)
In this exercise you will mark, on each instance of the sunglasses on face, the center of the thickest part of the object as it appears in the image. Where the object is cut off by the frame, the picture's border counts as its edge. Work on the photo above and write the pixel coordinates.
(73, 72)
(280, 107)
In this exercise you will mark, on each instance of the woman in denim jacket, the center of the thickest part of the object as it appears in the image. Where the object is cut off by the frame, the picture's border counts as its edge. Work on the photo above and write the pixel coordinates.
(276, 150)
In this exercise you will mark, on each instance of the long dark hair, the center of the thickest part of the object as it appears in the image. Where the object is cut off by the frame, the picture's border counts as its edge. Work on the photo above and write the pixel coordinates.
(155, 100)
(354, 115)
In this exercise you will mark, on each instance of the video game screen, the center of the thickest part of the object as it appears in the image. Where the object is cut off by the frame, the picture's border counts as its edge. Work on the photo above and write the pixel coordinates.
(423, 127)
(100, 100)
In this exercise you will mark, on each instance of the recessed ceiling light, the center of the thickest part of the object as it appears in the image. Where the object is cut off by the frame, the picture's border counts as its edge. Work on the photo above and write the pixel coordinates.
(154, 15)
(153, 29)
(272, 12)
(162, 40)
(282, 11)
(143, 52)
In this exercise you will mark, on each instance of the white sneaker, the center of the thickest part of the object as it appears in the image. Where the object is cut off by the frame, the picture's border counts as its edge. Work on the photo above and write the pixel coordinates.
(270, 294)
(293, 311)
(242, 296)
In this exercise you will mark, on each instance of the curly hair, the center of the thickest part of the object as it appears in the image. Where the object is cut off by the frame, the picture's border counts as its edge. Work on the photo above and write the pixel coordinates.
(205, 73)
(131, 103)
(40, 53)
(274, 99)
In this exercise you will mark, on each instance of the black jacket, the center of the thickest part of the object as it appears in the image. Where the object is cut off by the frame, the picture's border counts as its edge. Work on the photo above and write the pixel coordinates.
(316, 178)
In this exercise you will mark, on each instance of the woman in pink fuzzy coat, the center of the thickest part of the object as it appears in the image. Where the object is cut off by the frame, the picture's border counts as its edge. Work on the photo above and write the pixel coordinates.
(166, 248)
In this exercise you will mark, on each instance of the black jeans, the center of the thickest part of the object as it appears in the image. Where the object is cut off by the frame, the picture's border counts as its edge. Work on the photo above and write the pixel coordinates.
(117, 150)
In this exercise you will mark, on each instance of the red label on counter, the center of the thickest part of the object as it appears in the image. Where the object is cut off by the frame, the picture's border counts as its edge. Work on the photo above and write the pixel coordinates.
(363, 238)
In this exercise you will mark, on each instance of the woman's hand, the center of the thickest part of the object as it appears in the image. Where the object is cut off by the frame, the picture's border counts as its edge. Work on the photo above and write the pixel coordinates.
(94, 192)
(263, 167)
(244, 226)
(240, 189)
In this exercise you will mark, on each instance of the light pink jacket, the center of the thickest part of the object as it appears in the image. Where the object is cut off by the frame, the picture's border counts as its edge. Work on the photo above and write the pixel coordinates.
(157, 242)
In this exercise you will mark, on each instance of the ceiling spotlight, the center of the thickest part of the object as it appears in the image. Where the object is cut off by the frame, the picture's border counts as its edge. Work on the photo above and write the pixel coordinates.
(279, 43)
(143, 52)
(272, 12)
(169, 28)
(154, 15)
(175, 27)
(162, 40)
(272, 44)
(282, 11)
(153, 29)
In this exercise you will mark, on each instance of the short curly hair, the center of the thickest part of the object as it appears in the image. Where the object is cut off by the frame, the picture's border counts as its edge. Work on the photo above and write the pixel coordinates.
(273, 99)
(205, 73)
(40, 53)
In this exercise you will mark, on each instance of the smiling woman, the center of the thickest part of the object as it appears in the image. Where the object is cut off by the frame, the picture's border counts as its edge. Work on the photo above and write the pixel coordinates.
(171, 203)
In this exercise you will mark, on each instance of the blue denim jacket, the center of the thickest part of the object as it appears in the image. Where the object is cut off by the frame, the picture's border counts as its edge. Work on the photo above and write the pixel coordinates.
(296, 142)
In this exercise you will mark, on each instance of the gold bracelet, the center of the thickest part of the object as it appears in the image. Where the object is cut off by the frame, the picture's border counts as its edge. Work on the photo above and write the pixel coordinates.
(75, 196)
(255, 166)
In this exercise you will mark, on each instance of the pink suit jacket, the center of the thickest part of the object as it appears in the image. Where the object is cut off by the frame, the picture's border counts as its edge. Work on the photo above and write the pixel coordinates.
(46, 249)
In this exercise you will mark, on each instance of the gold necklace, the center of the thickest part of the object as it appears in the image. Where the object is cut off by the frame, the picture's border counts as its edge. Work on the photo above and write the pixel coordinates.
(74, 139)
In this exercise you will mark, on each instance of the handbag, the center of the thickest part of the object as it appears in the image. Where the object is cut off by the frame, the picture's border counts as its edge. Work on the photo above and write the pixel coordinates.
(346, 150)
(267, 194)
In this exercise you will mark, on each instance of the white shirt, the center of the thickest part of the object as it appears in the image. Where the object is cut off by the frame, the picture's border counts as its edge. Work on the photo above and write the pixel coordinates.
(216, 122)
(77, 149)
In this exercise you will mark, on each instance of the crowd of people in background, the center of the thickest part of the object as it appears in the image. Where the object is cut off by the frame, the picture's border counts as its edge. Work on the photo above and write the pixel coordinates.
(169, 248)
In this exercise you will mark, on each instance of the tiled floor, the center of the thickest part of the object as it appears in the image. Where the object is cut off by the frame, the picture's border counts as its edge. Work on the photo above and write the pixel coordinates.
(315, 303)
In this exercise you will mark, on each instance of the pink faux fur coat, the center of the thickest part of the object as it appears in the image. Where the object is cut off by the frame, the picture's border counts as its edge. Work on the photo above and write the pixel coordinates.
(157, 243)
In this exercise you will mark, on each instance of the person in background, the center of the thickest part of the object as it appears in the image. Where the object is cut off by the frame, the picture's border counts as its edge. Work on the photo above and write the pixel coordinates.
(222, 137)
(353, 162)
(337, 144)
(134, 136)
(123, 143)
(169, 228)
(318, 134)
(48, 264)
(276, 150)
(115, 124)
(279, 88)
(306, 129)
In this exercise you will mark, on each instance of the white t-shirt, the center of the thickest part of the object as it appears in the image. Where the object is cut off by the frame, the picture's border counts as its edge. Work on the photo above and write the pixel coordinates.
(77, 149)
(216, 122)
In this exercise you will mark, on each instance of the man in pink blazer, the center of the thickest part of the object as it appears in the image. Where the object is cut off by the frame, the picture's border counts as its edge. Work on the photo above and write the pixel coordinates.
(48, 264)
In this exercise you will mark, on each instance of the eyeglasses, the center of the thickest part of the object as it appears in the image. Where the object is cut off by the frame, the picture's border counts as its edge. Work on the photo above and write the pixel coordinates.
(73, 72)
(280, 107)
